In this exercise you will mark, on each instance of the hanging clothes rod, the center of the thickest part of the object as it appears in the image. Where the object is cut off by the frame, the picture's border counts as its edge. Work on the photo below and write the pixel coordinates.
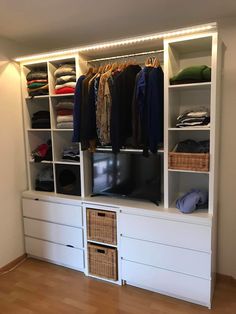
(127, 56)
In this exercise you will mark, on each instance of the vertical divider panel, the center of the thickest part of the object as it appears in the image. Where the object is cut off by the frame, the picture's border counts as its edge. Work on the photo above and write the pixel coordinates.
(166, 121)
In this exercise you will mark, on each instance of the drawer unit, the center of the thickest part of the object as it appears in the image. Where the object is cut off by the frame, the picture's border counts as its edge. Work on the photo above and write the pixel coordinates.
(66, 214)
(163, 256)
(59, 254)
(53, 232)
(167, 282)
(101, 226)
(175, 233)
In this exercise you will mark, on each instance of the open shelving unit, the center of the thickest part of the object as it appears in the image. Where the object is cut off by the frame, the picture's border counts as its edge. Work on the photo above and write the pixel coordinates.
(60, 138)
(181, 53)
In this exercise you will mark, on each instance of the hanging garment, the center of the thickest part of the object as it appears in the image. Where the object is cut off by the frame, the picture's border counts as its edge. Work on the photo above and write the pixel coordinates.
(155, 101)
(77, 109)
(103, 109)
(140, 119)
(91, 131)
(148, 106)
(84, 112)
(121, 111)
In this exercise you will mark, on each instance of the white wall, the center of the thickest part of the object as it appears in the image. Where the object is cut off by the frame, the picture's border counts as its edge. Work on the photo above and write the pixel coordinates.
(12, 164)
(227, 174)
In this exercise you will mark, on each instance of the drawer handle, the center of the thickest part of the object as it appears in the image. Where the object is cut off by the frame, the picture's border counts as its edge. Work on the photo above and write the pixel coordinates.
(101, 214)
(36, 199)
(69, 245)
(101, 251)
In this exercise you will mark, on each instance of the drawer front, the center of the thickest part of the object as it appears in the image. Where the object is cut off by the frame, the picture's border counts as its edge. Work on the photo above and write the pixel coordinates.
(60, 213)
(174, 284)
(168, 257)
(53, 232)
(57, 253)
(181, 234)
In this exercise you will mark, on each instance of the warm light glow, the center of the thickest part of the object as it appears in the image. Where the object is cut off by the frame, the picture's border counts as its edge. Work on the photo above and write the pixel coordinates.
(117, 43)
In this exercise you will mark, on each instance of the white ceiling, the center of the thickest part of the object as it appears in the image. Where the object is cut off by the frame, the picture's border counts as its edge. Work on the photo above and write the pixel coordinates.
(43, 25)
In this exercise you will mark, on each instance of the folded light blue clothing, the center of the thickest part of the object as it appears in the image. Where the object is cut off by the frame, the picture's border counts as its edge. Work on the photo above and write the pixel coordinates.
(192, 200)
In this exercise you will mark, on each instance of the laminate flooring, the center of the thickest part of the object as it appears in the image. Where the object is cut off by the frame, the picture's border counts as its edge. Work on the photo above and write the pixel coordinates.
(40, 287)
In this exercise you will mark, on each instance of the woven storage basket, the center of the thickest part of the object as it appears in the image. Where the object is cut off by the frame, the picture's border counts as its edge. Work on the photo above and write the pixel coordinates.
(187, 161)
(102, 261)
(101, 226)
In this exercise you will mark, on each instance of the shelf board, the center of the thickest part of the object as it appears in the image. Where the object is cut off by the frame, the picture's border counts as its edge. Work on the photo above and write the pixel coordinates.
(39, 130)
(190, 129)
(201, 212)
(61, 162)
(204, 85)
(127, 150)
(189, 171)
(101, 243)
(37, 97)
(62, 95)
(62, 130)
(41, 162)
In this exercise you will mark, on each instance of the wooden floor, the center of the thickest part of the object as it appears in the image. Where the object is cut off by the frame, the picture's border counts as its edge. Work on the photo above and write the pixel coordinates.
(39, 287)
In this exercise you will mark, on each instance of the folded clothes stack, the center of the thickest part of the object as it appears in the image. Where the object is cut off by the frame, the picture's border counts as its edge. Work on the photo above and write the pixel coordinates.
(191, 146)
(71, 153)
(192, 200)
(194, 118)
(65, 77)
(41, 120)
(44, 180)
(64, 111)
(193, 74)
(37, 83)
(42, 152)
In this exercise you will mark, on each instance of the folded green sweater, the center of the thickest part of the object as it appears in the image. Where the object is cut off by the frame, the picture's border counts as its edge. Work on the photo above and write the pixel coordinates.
(36, 85)
(193, 74)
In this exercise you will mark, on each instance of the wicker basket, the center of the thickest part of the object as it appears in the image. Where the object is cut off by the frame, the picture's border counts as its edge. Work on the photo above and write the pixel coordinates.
(102, 261)
(101, 226)
(187, 161)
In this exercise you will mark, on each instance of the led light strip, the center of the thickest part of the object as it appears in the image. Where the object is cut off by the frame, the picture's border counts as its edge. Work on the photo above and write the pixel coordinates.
(117, 43)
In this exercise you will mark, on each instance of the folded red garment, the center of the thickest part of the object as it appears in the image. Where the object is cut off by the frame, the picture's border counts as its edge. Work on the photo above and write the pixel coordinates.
(36, 81)
(64, 112)
(65, 90)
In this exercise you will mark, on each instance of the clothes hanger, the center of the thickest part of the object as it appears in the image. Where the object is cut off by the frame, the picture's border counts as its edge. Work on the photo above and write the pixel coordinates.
(90, 71)
(156, 62)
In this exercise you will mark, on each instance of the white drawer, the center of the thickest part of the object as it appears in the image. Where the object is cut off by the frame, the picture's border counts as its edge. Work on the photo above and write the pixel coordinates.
(171, 258)
(167, 282)
(181, 234)
(53, 232)
(54, 212)
(56, 253)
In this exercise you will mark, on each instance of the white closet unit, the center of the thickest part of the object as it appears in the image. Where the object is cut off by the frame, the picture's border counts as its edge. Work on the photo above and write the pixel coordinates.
(158, 247)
